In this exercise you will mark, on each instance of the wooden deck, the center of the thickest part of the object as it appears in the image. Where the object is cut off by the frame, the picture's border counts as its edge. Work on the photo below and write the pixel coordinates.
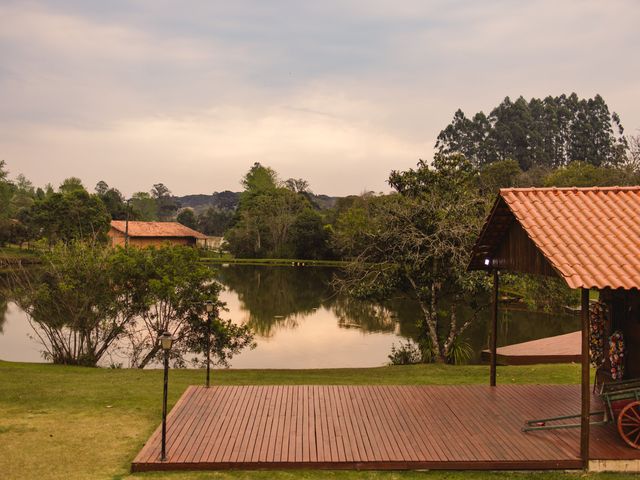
(373, 427)
(558, 349)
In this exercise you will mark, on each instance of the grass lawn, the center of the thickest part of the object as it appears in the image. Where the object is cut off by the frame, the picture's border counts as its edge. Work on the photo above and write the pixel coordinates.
(85, 423)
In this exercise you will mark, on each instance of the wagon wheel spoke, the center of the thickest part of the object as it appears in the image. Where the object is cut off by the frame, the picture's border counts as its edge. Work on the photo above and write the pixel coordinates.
(629, 424)
(633, 410)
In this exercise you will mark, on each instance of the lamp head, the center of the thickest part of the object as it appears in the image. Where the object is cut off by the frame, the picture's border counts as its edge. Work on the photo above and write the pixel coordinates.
(166, 341)
(209, 306)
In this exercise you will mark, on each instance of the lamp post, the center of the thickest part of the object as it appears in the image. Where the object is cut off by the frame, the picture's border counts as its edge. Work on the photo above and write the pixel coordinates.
(126, 225)
(209, 305)
(166, 341)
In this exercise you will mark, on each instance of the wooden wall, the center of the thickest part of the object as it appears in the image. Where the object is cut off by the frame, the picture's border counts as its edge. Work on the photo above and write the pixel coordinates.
(518, 253)
(117, 238)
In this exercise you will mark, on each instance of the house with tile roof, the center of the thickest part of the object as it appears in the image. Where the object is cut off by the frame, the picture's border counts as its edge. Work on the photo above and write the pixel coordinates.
(590, 238)
(147, 234)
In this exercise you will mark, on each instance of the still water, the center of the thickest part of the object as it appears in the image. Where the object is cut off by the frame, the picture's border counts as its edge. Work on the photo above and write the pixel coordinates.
(300, 322)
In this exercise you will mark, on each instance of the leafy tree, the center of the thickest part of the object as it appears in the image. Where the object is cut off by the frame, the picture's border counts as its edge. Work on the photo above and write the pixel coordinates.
(166, 205)
(259, 179)
(549, 133)
(144, 207)
(265, 216)
(175, 286)
(113, 200)
(70, 215)
(308, 236)
(71, 184)
(6, 192)
(101, 187)
(581, 174)
(188, 218)
(297, 185)
(499, 174)
(79, 301)
(214, 221)
(418, 239)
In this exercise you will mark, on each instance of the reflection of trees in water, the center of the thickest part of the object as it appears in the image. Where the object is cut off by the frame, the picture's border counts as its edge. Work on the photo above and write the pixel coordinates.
(4, 300)
(519, 325)
(277, 297)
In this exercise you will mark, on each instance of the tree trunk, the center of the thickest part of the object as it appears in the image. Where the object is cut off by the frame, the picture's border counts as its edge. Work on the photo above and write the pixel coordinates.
(149, 356)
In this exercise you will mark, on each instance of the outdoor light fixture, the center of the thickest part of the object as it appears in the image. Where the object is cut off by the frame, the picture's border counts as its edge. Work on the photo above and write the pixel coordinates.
(166, 341)
(487, 262)
(209, 305)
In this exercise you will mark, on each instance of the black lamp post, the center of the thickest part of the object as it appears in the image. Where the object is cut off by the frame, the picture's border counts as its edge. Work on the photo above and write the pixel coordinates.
(209, 305)
(166, 341)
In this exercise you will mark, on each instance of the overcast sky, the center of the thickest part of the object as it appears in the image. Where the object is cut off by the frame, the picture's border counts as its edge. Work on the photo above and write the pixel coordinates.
(192, 93)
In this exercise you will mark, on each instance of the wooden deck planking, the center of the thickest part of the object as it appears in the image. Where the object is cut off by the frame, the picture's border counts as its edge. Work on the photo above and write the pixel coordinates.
(564, 348)
(374, 427)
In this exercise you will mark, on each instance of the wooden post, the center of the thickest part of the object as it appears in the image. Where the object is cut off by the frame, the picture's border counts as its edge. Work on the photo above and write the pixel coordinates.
(586, 391)
(494, 329)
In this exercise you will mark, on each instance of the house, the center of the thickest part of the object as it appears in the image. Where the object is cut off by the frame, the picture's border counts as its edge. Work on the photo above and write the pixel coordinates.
(590, 238)
(147, 234)
(210, 243)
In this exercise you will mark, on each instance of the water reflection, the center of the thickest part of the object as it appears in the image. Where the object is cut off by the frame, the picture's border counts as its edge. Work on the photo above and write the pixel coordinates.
(301, 323)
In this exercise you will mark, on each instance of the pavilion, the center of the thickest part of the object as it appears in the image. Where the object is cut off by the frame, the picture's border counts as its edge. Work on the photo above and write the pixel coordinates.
(589, 237)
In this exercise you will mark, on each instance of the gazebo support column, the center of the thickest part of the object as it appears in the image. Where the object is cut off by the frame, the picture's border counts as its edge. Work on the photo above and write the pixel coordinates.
(494, 328)
(586, 393)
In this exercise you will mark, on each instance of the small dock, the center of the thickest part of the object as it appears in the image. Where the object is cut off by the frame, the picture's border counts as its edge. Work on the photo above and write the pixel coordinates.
(559, 349)
(374, 427)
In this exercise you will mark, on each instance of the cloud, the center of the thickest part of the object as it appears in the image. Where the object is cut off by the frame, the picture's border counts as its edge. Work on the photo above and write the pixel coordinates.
(338, 92)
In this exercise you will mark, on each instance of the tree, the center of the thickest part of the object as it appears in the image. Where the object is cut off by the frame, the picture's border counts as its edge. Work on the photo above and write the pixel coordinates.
(297, 185)
(419, 239)
(71, 184)
(101, 187)
(70, 215)
(499, 174)
(79, 301)
(188, 218)
(214, 221)
(144, 207)
(265, 216)
(545, 133)
(581, 174)
(6, 192)
(308, 236)
(166, 205)
(259, 179)
(174, 288)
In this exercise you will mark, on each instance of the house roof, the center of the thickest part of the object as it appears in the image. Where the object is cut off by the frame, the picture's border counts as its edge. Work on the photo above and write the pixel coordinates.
(590, 236)
(156, 229)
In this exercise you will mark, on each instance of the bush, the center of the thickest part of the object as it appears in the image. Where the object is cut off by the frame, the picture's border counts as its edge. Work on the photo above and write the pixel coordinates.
(405, 354)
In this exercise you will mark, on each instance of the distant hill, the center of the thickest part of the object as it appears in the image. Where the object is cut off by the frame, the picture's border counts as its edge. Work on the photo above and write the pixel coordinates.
(228, 200)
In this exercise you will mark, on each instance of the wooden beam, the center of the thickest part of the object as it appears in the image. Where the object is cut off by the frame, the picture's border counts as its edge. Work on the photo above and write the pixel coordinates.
(586, 393)
(494, 329)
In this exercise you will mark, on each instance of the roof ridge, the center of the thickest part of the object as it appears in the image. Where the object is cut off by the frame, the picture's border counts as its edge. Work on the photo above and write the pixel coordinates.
(569, 189)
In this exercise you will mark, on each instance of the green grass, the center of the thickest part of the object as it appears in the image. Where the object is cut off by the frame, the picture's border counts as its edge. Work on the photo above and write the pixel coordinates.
(61, 422)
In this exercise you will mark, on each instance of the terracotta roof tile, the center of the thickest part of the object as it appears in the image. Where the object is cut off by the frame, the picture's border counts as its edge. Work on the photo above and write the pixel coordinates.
(156, 229)
(591, 236)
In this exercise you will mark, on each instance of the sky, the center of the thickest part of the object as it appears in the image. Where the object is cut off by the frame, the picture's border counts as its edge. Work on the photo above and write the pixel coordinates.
(192, 93)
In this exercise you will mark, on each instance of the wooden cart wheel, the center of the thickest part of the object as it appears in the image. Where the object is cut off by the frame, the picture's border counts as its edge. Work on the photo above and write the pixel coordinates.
(629, 424)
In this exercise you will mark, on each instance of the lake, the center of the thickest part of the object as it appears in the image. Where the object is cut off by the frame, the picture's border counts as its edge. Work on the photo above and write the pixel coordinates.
(300, 322)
